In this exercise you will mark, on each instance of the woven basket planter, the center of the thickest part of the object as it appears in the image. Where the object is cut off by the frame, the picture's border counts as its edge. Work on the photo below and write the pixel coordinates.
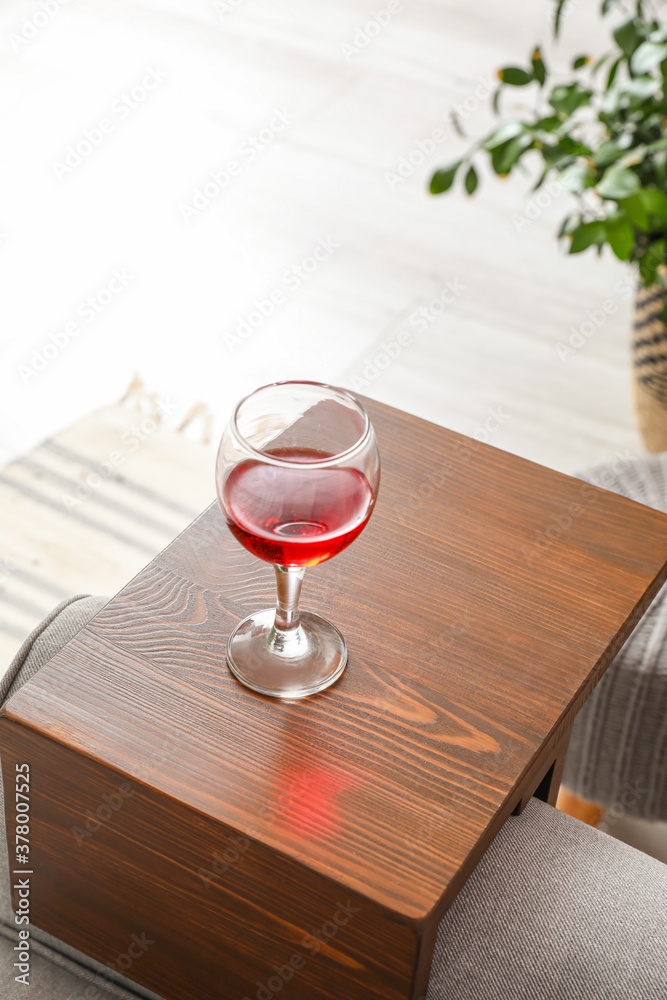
(649, 350)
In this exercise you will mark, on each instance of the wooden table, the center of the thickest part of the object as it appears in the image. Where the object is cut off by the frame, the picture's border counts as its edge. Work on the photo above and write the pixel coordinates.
(252, 846)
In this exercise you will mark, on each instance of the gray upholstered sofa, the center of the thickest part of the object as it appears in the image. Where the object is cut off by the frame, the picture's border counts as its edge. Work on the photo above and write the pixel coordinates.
(555, 910)
(618, 750)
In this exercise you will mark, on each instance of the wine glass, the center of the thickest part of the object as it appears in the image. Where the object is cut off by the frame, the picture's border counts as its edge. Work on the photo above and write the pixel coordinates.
(297, 476)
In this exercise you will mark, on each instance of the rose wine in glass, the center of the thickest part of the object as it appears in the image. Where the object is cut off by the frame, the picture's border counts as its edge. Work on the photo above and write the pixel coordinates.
(297, 477)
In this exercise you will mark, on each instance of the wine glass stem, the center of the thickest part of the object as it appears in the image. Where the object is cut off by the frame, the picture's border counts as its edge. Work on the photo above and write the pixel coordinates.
(288, 583)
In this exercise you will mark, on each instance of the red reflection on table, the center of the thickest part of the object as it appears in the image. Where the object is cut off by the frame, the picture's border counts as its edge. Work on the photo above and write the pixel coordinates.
(308, 801)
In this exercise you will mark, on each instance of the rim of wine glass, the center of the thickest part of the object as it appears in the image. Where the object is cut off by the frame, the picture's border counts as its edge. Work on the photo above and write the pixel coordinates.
(359, 444)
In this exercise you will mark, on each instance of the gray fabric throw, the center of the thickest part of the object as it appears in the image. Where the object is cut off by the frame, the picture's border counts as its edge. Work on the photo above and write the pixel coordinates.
(618, 750)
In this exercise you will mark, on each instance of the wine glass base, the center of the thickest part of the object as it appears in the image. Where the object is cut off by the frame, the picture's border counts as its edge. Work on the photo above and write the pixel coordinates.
(291, 664)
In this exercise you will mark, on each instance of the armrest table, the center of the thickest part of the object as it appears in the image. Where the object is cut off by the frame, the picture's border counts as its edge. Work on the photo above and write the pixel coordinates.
(256, 843)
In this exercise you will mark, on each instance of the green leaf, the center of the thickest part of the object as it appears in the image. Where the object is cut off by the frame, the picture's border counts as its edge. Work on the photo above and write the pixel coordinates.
(514, 76)
(580, 61)
(564, 151)
(634, 158)
(566, 99)
(506, 130)
(557, 16)
(599, 63)
(618, 182)
(456, 124)
(640, 86)
(540, 180)
(577, 177)
(607, 153)
(635, 211)
(586, 234)
(495, 101)
(570, 145)
(548, 124)
(627, 37)
(620, 235)
(612, 73)
(648, 55)
(504, 157)
(655, 204)
(567, 227)
(539, 69)
(650, 261)
(443, 179)
(556, 157)
(471, 180)
(660, 166)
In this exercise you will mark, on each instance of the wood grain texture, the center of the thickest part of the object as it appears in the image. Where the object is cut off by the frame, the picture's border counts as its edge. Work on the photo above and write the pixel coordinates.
(225, 931)
(481, 605)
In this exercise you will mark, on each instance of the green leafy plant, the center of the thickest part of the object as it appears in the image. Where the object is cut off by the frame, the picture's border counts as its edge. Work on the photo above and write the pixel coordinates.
(601, 135)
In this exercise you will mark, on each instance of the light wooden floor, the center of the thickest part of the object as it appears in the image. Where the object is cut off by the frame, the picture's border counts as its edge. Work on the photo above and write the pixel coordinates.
(323, 177)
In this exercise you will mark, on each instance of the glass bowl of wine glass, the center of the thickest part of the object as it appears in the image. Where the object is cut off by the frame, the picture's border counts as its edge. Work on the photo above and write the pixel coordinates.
(297, 477)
